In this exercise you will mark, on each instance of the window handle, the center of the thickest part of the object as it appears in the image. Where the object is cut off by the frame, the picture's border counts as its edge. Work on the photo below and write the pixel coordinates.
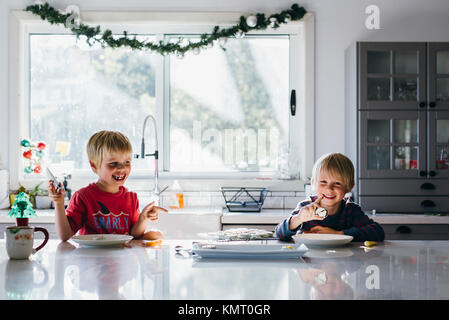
(293, 102)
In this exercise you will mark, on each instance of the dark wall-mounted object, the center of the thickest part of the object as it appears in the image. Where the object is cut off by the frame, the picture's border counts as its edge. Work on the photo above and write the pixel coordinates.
(293, 102)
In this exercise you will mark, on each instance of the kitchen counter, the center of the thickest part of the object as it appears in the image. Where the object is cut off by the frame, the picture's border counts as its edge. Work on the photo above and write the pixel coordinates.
(266, 216)
(183, 223)
(66, 270)
(48, 216)
(275, 216)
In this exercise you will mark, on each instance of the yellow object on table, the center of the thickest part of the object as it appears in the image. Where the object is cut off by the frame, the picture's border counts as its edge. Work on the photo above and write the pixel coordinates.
(153, 243)
(370, 243)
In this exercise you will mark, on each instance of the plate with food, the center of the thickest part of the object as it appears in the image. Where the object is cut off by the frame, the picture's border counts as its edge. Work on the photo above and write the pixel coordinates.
(322, 239)
(237, 234)
(249, 251)
(102, 239)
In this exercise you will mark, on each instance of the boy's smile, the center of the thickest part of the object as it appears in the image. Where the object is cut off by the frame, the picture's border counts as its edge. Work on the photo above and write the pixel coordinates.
(332, 189)
(113, 171)
(119, 178)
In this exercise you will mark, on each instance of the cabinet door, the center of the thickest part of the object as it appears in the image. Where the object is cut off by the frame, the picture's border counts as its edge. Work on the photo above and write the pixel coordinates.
(438, 124)
(438, 83)
(392, 76)
(392, 144)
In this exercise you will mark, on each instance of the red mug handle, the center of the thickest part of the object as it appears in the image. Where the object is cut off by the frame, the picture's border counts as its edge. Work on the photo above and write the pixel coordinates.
(47, 236)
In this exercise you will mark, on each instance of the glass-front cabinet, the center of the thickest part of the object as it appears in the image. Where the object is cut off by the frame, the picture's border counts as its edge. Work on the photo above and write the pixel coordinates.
(393, 75)
(438, 86)
(402, 91)
(392, 144)
(438, 124)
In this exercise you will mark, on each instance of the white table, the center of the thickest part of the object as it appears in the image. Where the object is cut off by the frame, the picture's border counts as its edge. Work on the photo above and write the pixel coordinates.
(66, 270)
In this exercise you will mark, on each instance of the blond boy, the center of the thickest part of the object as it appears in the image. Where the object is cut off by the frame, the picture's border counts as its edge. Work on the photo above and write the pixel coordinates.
(105, 206)
(332, 178)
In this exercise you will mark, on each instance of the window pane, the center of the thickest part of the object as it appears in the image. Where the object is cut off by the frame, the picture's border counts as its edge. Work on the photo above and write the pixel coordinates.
(379, 62)
(229, 109)
(76, 90)
(378, 158)
(405, 89)
(443, 62)
(378, 89)
(378, 131)
(443, 131)
(405, 158)
(443, 89)
(405, 131)
(406, 61)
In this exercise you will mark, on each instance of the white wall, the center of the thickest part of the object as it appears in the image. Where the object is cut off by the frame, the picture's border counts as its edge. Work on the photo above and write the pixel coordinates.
(339, 23)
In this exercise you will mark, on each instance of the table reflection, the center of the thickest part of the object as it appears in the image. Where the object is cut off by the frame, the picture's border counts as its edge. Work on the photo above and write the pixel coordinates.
(22, 280)
(390, 270)
(115, 273)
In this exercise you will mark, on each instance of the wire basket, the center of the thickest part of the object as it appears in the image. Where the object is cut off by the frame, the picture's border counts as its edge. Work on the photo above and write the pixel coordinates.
(244, 199)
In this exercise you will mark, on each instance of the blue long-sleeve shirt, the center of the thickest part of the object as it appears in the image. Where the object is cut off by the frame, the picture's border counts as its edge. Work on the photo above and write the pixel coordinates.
(350, 219)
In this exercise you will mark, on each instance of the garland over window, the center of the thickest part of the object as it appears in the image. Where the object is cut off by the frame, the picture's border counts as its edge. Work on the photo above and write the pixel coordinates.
(106, 39)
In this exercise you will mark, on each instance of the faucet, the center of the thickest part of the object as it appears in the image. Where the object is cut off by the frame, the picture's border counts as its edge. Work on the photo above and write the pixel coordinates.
(155, 154)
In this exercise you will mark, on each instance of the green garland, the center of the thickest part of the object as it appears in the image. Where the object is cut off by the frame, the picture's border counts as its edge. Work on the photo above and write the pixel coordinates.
(94, 35)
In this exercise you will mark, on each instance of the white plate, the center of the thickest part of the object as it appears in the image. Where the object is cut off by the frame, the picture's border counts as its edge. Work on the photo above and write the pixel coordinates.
(102, 239)
(322, 240)
(249, 251)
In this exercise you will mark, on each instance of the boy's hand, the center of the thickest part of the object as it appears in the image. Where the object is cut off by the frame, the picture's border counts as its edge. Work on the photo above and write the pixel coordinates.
(307, 213)
(151, 212)
(57, 197)
(321, 229)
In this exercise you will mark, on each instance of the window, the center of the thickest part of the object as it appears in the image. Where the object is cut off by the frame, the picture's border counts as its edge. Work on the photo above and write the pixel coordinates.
(76, 90)
(229, 109)
(218, 112)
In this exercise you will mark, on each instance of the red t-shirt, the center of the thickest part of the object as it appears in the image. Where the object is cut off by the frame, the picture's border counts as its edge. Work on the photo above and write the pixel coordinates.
(92, 210)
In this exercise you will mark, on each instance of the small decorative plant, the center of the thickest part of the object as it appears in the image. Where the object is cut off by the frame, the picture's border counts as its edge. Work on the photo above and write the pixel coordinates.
(41, 198)
(35, 193)
(22, 209)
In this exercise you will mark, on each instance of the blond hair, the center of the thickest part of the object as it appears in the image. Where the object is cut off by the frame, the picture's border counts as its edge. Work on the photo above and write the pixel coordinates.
(337, 165)
(104, 142)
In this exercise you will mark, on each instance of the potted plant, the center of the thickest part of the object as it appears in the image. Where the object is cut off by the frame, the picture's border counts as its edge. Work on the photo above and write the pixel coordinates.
(22, 209)
(40, 197)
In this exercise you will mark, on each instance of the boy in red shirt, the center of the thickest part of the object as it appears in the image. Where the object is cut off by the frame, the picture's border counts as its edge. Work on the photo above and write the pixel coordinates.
(105, 206)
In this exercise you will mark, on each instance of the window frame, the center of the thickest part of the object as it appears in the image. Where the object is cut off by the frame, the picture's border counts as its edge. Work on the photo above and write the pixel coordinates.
(302, 79)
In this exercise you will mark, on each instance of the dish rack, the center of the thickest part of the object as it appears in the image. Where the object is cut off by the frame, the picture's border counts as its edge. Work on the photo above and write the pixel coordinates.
(244, 199)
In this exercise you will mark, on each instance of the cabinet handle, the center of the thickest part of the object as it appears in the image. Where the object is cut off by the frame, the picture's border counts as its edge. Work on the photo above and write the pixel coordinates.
(422, 173)
(427, 204)
(432, 104)
(427, 186)
(432, 173)
(422, 104)
(403, 229)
